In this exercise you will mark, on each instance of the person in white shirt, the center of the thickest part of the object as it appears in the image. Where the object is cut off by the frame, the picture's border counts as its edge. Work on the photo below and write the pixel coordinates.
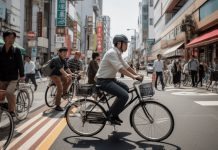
(158, 68)
(29, 71)
(38, 67)
(112, 63)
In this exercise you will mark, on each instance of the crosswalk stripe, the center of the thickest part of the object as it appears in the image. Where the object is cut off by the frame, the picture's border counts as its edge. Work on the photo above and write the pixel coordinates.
(39, 133)
(207, 103)
(49, 122)
(49, 140)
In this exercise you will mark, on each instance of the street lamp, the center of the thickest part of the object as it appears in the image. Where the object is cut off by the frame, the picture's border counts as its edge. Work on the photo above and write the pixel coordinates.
(134, 42)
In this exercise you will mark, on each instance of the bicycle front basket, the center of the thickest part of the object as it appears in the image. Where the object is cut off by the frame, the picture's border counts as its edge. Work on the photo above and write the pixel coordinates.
(146, 90)
(84, 90)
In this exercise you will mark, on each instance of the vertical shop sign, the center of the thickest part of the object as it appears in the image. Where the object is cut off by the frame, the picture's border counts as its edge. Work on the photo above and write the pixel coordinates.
(74, 34)
(99, 37)
(39, 24)
(61, 18)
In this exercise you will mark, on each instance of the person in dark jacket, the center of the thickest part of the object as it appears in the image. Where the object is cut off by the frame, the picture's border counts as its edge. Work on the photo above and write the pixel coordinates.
(93, 68)
(201, 73)
(11, 69)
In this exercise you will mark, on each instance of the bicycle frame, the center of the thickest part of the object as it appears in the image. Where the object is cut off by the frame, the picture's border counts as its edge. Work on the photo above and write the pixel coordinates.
(133, 89)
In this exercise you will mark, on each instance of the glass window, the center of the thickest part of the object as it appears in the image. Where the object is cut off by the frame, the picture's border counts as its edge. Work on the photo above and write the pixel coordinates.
(151, 21)
(151, 3)
(208, 8)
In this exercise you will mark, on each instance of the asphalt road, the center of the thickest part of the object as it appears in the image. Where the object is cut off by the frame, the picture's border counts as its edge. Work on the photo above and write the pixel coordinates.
(195, 113)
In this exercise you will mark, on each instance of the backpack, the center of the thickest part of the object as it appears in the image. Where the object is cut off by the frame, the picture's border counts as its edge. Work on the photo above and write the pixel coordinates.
(46, 68)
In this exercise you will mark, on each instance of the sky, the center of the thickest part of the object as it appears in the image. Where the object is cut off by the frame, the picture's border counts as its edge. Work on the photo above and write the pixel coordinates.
(123, 15)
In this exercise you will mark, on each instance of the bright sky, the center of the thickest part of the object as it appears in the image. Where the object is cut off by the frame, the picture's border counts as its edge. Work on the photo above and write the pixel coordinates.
(123, 15)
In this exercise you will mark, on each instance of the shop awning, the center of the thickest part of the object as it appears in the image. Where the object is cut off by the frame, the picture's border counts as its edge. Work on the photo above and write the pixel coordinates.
(204, 39)
(172, 51)
(23, 51)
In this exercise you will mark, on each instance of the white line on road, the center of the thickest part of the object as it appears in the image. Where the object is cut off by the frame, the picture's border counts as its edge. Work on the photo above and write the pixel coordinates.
(207, 103)
(39, 133)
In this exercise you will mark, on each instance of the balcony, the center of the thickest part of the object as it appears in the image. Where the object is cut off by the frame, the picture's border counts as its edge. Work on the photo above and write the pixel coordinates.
(174, 6)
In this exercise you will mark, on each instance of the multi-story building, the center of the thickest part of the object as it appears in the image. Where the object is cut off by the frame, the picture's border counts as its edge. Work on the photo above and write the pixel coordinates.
(186, 27)
(89, 12)
(39, 28)
(106, 33)
(11, 18)
(146, 29)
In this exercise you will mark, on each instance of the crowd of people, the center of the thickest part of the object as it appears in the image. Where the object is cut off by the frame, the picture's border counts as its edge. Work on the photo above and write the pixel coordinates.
(177, 70)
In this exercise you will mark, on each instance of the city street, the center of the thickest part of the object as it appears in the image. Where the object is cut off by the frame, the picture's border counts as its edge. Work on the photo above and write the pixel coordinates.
(195, 113)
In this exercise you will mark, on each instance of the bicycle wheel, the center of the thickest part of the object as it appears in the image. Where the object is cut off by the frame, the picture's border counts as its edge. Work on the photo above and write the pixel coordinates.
(6, 128)
(50, 94)
(85, 117)
(22, 105)
(158, 127)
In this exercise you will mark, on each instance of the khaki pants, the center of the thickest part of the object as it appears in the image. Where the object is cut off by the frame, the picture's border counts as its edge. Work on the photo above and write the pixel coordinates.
(10, 87)
(62, 84)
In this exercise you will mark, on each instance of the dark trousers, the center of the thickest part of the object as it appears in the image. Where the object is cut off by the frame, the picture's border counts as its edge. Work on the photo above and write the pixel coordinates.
(118, 89)
(194, 77)
(32, 78)
(201, 75)
(159, 74)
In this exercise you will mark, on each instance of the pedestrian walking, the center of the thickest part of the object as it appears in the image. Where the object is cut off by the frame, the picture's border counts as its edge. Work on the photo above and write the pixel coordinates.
(176, 70)
(193, 66)
(201, 74)
(38, 67)
(11, 69)
(93, 68)
(29, 70)
(158, 68)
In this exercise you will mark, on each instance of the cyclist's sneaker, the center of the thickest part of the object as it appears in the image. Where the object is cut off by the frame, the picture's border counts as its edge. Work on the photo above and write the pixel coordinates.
(12, 114)
(59, 108)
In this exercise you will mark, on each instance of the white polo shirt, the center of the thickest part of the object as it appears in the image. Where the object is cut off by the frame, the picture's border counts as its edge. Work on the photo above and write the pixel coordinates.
(158, 66)
(111, 63)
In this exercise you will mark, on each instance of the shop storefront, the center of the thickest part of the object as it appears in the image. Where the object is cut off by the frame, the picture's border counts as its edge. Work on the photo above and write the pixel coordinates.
(205, 47)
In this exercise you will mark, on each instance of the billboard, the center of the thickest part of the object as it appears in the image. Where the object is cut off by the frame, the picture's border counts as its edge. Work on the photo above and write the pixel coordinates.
(99, 37)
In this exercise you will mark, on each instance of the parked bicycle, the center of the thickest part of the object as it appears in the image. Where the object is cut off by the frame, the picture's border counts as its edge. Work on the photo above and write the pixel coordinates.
(6, 123)
(150, 119)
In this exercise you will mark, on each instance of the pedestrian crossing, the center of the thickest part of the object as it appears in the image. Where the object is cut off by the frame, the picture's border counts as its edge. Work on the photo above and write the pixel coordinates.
(32, 134)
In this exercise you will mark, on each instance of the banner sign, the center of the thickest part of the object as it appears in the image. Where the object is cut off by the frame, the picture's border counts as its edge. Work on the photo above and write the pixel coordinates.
(61, 17)
(99, 37)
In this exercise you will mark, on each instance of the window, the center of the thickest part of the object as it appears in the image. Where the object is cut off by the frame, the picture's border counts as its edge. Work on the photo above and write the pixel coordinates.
(151, 21)
(208, 8)
(151, 3)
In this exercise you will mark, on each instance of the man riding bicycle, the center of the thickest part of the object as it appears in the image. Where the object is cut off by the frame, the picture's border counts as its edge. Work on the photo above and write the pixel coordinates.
(112, 63)
(61, 76)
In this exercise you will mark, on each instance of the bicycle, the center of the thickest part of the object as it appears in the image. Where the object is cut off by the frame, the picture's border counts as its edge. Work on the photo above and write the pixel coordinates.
(22, 103)
(28, 87)
(87, 117)
(51, 91)
(6, 123)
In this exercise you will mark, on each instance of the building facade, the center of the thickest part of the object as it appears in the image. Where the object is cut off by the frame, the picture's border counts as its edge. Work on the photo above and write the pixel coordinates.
(177, 24)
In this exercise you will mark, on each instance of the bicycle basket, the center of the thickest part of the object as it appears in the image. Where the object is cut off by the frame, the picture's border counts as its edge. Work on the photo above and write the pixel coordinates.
(146, 90)
(2, 95)
(84, 90)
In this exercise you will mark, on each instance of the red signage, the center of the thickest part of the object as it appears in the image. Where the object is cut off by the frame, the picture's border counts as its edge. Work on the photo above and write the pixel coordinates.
(99, 37)
(31, 35)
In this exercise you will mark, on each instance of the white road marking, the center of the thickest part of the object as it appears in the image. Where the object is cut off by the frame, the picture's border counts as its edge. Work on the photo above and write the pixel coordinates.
(207, 103)
(190, 93)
